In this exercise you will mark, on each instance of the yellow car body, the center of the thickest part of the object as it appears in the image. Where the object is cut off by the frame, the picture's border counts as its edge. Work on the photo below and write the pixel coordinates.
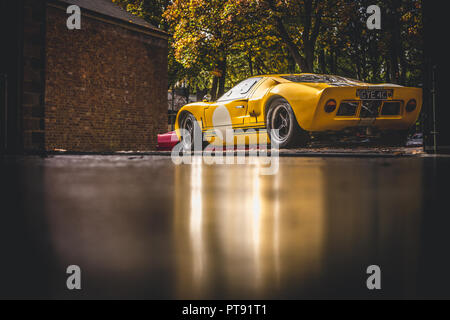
(308, 94)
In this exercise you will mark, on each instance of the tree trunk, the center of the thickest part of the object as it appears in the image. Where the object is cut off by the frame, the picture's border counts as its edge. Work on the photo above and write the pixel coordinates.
(322, 62)
(388, 72)
(334, 62)
(394, 20)
(404, 69)
(309, 58)
(214, 88)
(394, 62)
(402, 59)
(250, 62)
(293, 49)
(223, 69)
(291, 63)
(187, 93)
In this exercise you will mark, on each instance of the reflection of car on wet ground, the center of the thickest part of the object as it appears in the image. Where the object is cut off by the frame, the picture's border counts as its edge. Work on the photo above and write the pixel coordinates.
(298, 107)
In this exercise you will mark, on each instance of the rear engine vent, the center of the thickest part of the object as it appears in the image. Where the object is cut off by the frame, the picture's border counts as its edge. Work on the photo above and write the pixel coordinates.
(348, 108)
(391, 109)
(370, 108)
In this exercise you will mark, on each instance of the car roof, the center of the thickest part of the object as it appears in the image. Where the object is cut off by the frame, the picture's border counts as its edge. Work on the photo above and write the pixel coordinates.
(314, 78)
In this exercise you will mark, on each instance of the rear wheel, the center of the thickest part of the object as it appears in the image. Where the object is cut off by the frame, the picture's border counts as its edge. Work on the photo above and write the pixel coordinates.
(283, 127)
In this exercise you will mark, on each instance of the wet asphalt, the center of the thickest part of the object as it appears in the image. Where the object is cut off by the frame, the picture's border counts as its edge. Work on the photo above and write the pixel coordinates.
(142, 227)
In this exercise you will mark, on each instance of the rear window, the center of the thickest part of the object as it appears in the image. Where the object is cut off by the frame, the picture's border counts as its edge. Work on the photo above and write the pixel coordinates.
(317, 78)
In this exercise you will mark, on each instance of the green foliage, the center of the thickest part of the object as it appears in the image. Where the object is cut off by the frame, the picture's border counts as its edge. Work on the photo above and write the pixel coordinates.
(216, 43)
(150, 10)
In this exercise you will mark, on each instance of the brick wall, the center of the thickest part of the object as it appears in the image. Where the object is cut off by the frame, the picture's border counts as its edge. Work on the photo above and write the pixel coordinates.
(33, 125)
(106, 86)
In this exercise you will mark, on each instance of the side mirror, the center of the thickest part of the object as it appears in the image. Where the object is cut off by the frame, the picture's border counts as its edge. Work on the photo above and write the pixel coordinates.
(207, 98)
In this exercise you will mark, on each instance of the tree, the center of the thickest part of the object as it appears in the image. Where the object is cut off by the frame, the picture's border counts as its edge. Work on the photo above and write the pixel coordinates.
(150, 10)
(216, 43)
(205, 33)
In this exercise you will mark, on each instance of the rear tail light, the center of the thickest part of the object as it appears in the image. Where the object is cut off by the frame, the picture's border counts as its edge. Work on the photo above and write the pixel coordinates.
(330, 106)
(411, 106)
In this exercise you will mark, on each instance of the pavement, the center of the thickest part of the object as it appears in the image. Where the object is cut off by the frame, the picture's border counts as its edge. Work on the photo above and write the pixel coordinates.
(314, 151)
(140, 226)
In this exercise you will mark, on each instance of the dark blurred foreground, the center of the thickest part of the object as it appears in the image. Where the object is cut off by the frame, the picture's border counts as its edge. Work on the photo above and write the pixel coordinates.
(141, 227)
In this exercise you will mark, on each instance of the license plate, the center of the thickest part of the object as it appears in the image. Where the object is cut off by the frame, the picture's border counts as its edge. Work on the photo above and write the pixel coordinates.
(374, 94)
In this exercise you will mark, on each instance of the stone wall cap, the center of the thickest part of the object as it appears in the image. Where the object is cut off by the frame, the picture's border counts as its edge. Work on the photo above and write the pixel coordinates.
(108, 8)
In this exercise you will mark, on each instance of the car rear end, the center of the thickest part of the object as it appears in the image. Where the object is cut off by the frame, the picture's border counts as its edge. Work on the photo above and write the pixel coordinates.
(387, 107)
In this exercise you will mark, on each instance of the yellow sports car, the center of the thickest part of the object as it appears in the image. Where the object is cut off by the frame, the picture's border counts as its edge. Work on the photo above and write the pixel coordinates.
(288, 109)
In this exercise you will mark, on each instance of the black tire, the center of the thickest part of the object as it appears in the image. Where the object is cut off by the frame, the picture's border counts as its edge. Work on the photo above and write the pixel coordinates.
(192, 128)
(281, 116)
